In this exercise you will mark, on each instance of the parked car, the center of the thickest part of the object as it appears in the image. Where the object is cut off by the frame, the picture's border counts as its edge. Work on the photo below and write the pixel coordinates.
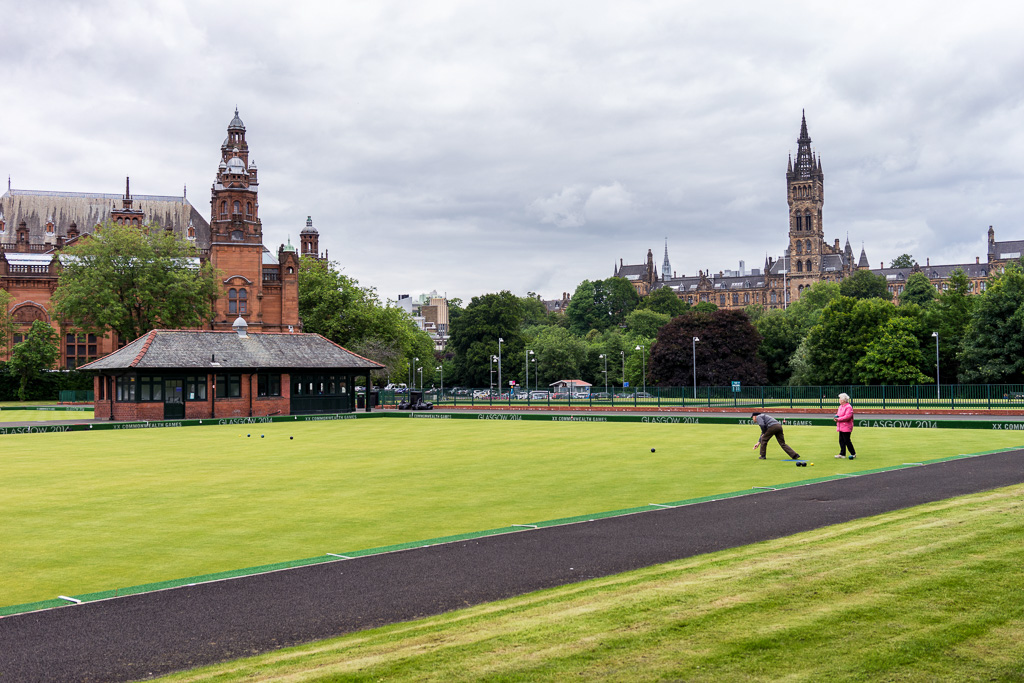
(539, 395)
(580, 395)
(600, 395)
(481, 393)
(560, 396)
(643, 394)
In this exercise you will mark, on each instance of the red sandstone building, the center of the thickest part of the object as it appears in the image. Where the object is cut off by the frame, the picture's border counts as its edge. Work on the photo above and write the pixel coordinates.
(202, 374)
(259, 286)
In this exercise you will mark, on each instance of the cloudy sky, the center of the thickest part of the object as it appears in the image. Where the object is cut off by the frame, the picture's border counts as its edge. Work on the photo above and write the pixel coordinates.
(470, 147)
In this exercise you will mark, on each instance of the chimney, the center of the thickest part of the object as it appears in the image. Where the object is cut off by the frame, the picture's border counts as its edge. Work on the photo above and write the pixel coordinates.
(927, 261)
(977, 259)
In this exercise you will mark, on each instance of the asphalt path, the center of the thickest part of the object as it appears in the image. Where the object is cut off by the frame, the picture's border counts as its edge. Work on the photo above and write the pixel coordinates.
(146, 635)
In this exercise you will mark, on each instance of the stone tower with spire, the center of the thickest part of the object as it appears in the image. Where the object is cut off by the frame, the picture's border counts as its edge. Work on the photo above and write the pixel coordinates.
(261, 291)
(666, 267)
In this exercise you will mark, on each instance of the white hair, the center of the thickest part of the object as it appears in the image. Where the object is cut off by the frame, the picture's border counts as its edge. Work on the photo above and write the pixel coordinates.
(844, 398)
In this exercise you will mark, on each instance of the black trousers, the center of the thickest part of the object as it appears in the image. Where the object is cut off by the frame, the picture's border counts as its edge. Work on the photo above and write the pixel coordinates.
(844, 443)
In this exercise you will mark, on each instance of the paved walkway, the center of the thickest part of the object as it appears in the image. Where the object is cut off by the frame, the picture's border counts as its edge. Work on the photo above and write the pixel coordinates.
(156, 633)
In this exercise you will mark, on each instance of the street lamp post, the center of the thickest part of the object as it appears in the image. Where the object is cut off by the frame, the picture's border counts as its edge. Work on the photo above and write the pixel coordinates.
(421, 377)
(440, 369)
(605, 357)
(412, 373)
(536, 377)
(623, 354)
(491, 391)
(938, 390)
(695, 340)
(526, 362)
(499, 365)
(643, 361)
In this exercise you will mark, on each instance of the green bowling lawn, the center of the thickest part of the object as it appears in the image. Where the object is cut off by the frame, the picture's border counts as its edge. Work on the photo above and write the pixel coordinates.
(94, 511)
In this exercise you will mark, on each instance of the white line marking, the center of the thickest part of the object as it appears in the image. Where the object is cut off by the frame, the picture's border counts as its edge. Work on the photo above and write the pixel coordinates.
(528, 526)
(659, 505)
(767, 488)
(344, 557)
(74, 600)
(913, 463)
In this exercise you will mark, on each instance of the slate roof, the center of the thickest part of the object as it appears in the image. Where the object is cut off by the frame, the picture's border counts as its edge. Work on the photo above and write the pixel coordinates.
(195, 349)
(1008, 250)
(972, 270)
(87, 209)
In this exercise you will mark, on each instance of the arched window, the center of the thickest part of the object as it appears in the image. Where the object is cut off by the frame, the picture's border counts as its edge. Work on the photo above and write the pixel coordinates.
(775, 298)
(735, 299)
(135, 221)
(807, 245)
(808, 265)
(746, 297)
(223, 209)
(242, 299)
(799, 223)
(248, 209)
(799, 266)
(807, 220)
(236, 207)
(233, 300)
(799, 247)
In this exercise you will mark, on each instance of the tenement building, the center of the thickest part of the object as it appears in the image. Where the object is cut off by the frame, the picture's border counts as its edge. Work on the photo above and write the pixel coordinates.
(258, 285)
(808, 257)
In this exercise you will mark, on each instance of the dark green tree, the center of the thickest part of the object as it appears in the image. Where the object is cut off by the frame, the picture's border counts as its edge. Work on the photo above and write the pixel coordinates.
(993, 348)
(645, 322)
(950, 318)
(38, 352)
(864, 284)
(894, 356)
(132, 280)
(560, 355)
(780, 336)
(918, 290)
(705, 307)
(601, 304)
(902, 261)
(726, 352)
(664, 300)
(834, 345)
(475, 333)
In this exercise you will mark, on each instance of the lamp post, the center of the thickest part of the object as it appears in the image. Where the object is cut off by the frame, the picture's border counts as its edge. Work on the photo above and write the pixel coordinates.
(643, 361)
(440, 368)
(605, 357)
(491, 391)
(421, 377)
(412, 373)
(623, 354)
(938, 390)
(499, 365)
(526, 362)
(695, 340)
(536, 377)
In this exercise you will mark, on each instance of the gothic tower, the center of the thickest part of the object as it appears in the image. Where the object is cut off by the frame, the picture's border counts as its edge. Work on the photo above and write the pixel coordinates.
(236, 234)
(805, 193)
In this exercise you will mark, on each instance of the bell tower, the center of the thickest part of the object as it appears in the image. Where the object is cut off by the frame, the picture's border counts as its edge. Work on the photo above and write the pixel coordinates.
(236, 234)
(805, 194)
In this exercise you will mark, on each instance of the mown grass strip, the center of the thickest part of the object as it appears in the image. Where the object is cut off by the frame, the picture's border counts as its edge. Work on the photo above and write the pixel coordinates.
(923, 594)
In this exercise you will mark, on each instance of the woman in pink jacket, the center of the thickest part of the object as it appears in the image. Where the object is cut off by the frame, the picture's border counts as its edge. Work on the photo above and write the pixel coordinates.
(844, 425)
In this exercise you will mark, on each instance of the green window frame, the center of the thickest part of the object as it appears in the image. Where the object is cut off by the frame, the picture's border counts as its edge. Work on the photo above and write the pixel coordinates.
(151, 388)
(195, 388)
(268, 384)
(229, 386)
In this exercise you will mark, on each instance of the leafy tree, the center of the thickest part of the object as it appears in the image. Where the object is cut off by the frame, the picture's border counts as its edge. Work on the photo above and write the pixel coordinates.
(993, 348)
(600, 305)
(560, 355)
(132, 280)
(475, 333)
(534, 310)
(864, 284)
(664, 300)
(950, 318)
(894, 357)
(334, 305)
(839, 339)
(36, 353)
(6, 322)
(726, 352)
(780, 337)
(645, 322)
(918, 290)
(705, 307)
(902, 261)
(635, 359)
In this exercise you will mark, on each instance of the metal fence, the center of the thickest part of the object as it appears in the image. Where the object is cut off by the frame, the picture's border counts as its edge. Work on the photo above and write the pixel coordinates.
(946, 396)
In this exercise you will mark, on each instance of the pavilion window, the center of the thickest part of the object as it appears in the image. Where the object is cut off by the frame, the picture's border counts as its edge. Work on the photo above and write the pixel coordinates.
(125, 389)
(195, 388)
(229, 385)
(151, 388)
(268, 384)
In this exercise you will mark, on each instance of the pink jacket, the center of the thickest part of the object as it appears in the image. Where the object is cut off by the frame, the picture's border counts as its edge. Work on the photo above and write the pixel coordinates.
(845, 413)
